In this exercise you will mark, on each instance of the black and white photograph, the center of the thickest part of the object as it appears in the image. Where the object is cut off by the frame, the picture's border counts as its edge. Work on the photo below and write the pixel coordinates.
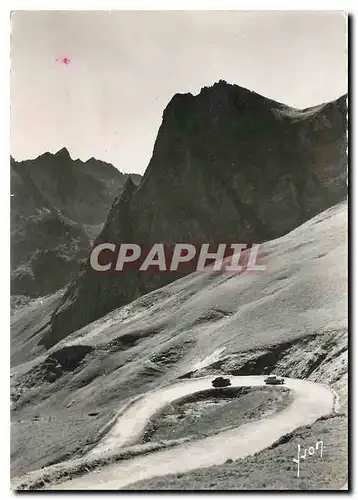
(179, 250)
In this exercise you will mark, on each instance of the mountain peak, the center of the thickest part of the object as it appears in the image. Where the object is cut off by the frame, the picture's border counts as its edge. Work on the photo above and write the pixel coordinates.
(217, 96)
(129, 188)
(225, 167)
(63, 153)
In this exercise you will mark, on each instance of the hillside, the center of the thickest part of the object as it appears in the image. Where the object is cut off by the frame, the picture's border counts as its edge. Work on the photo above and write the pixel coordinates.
(228, 165)
(291, 319)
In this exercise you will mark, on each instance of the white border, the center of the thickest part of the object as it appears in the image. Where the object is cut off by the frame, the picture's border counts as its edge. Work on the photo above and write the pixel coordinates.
(182, 5)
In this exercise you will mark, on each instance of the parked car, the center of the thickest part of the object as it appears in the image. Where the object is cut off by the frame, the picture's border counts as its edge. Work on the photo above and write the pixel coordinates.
(221, 382)
(273, 380)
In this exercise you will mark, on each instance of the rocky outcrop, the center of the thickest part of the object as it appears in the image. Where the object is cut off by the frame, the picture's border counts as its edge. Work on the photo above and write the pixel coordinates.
(227, 165)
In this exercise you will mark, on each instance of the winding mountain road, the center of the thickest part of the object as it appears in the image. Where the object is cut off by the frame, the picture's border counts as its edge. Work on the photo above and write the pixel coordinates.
(310, 401)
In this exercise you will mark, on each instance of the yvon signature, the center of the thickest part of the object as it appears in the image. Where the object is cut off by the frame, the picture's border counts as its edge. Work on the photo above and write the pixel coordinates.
(303, 455)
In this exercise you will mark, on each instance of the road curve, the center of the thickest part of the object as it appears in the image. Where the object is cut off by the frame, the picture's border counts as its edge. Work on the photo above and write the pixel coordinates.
(310, 401)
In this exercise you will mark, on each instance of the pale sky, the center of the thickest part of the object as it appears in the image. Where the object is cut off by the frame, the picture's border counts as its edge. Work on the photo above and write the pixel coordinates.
(125, 66)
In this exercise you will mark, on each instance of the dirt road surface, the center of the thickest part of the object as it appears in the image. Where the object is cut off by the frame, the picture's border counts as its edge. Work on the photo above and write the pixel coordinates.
(310, 401)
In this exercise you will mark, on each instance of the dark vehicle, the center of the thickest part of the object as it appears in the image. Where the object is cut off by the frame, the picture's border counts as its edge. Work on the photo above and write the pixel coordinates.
(221, 382)
(273, 380)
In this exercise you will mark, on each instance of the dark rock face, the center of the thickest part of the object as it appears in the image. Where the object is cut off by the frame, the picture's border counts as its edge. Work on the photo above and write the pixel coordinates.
(228, 165)
(55, 203)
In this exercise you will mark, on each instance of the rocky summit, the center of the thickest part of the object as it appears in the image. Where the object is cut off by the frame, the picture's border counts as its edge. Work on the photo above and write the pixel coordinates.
(227, 165)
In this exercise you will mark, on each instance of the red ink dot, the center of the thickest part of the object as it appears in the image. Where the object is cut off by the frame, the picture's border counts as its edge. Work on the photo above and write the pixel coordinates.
(64, 60)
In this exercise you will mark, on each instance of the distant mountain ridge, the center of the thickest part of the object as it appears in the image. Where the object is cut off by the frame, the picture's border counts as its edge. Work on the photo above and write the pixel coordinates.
(227, 165)
(81, 190)
(58, 205)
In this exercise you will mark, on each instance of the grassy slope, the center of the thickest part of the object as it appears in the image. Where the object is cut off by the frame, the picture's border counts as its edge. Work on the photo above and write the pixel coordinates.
(273, 468)
(26, 324)
(205, 414)
(165, 334)
(50, 430)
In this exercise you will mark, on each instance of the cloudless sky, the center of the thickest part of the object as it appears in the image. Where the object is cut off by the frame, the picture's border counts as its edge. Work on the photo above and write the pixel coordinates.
(106, 100)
